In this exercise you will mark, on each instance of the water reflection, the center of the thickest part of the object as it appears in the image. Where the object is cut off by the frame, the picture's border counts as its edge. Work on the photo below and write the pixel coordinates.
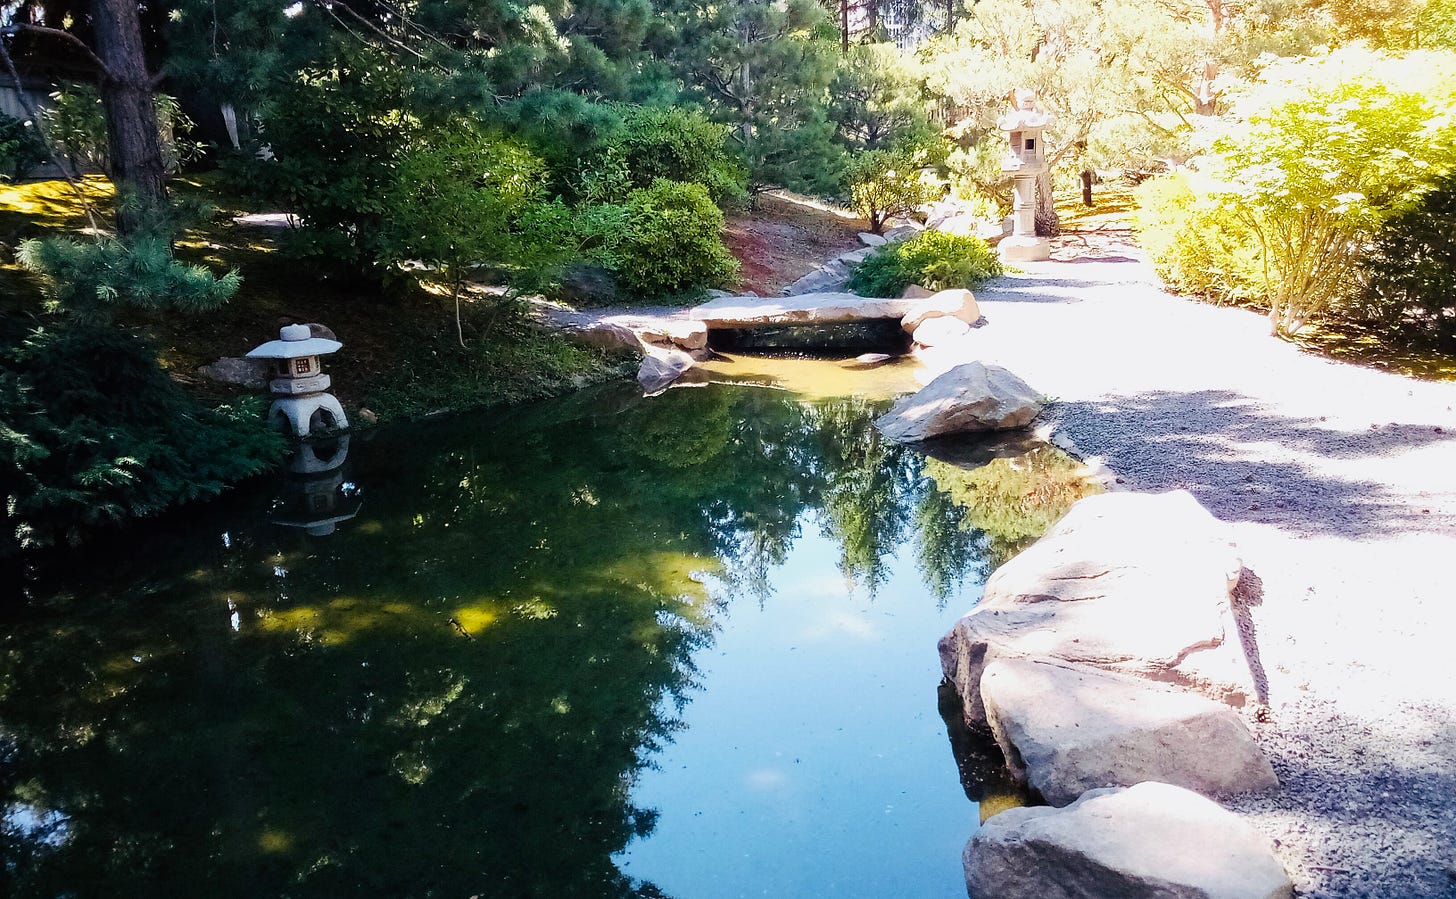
(456, 693)
(315, 494)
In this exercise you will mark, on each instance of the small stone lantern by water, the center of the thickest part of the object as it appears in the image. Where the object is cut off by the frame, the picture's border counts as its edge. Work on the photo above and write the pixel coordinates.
(302, 403)
(1025, 162)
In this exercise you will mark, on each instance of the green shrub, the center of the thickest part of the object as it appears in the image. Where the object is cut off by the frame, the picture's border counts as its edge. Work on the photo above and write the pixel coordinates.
(673, 143)
(336, 135)
(76, 124)
(1196, 244)
(670, 242)
(885, 183)
(1409, 283)
(95, 432)
(21, 148)
(931, 259)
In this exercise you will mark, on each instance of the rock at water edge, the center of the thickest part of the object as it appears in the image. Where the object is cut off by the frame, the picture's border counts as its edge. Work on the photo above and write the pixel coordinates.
(970, 397)
(606, 336)
(955, 303)
(660, 367)
(940, 331)
(1136, 583)
(1067, 729)
(1149, 841)
(684, 335)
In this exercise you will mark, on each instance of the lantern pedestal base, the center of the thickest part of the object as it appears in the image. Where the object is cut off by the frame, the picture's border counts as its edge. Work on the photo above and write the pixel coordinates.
(1023, 248)
(304, 414)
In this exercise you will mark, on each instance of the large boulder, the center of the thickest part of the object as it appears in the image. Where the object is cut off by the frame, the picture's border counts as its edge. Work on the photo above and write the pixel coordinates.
(832, 276)
(954, 303)
(605, 336)
(671, 333)
(1129, 582)
(940, 331)
(237, 372)
(1150, 841)
(1066, 729)
(970, 397)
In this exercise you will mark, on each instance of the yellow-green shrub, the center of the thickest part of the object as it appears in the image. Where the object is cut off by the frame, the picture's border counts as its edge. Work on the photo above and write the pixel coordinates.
(1197, 245)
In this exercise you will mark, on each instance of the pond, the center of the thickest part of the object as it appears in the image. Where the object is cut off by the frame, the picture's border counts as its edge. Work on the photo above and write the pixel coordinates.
(603, 646)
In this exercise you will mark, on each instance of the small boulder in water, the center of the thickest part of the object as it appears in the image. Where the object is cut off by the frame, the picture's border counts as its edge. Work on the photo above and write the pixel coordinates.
(970, 397)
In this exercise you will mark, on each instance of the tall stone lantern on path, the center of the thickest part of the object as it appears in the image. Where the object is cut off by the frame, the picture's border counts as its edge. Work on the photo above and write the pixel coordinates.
(1025, 162)
(298, 383)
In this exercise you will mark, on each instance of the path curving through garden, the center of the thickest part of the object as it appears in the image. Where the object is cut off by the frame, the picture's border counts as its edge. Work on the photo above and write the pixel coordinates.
(1340, 485)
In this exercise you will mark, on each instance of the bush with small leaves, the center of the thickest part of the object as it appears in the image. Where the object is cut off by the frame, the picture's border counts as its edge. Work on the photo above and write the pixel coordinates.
(930, 259)
(886, 183)
(21, 148)
(671, 242)
(1409, 272)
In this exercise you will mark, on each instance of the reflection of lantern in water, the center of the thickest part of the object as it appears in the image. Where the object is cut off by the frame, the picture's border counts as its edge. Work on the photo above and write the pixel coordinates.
(299, 384)
(316, 496)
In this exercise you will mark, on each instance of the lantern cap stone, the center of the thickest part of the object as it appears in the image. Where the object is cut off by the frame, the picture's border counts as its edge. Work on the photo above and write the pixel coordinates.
(295, 341)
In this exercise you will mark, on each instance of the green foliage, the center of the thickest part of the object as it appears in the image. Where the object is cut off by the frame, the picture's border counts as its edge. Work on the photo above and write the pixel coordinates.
(1322, 154)
(670, 242)
(1409, 272)
(88, 280)
(76, 124)
(673, 142)
(931, 259)
(95, 433)
(336, 134)
(1013, 501)
(1196, 243)
(1119, 75)
(886, 183)
(765, 68)
(21, 148)
(877, 99)
(464, 198)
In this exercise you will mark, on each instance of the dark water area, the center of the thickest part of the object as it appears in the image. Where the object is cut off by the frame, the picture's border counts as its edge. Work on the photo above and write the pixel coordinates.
(604, 646)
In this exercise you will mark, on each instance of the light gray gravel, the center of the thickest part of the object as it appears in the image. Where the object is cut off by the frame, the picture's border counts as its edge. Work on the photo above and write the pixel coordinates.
(1340, 485)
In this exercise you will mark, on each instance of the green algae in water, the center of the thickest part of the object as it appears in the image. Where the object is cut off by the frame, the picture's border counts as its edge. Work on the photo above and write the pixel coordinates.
(479, 683)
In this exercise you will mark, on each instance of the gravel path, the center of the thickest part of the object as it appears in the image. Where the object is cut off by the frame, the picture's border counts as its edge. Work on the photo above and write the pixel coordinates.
(1340, 485)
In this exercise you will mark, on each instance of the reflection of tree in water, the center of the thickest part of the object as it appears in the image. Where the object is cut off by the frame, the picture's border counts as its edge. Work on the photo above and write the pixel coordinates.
(1010, 501)
(866, 483)
(453, 694)
(946, 547)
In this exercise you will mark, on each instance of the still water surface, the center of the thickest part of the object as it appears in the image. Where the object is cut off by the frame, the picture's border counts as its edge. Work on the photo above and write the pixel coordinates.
(606, 646)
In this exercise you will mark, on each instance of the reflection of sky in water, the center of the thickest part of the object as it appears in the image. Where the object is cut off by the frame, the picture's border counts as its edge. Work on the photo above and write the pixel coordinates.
(44, 827)
(813, 761)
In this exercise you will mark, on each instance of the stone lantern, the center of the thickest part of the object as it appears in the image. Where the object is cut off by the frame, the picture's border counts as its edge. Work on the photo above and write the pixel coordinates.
(302, 403)
(1025, 162)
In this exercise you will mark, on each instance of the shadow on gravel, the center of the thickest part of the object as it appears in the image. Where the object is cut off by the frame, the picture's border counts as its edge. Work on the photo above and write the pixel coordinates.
(1038, 288)
(1374, 815)
(1201, 442)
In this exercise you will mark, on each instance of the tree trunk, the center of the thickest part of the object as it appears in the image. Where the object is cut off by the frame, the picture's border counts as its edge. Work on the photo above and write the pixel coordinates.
(1087, 188)
(132, 134)
(1048, 223)
(844, 26)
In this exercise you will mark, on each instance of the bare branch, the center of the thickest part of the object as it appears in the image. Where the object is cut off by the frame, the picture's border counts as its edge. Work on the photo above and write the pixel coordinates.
(66, 36)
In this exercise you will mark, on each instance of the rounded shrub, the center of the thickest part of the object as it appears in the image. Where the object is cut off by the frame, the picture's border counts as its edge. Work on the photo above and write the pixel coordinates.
(931, 259)
(1409, 283)
(672, 242)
